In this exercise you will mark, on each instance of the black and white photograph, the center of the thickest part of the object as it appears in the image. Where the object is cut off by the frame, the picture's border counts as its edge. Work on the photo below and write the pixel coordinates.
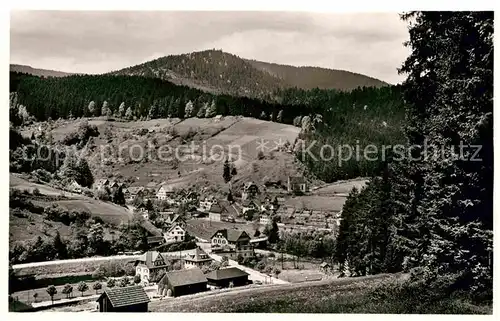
(250, 161)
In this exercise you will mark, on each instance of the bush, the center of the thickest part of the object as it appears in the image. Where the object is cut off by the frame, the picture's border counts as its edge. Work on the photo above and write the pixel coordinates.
(36, 192)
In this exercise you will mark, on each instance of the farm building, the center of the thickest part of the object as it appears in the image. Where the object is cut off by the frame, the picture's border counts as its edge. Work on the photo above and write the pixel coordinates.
(155, 240)
(297, 184)
(126, 299)
(149, 266)
(216, 212)
(231, 242)
(250, 190)
(207, 203)
(163, 192)
(175, 234)
(227, 277)
(198, 259)
(182, 282)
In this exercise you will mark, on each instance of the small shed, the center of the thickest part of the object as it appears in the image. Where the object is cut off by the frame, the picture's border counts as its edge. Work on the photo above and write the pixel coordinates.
(126, 299)
(225, 277)
(325, 267)
(183, 282)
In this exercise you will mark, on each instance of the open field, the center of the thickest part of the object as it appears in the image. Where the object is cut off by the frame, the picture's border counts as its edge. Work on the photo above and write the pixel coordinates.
(370, 294)
(22, 184)
(67, 267)
(109, 212)
(245, 299)
(318, 203)
(341, 187)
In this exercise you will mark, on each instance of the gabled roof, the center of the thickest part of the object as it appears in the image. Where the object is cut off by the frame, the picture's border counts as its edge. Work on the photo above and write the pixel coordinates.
(184, 277)
(324, 264)
(297, 180)
(166, 188)
(248, 203)
(259, 239)
(130, 295)
(216, 208)
(249, 184)
(174, 226)
(224, 274)
(155, 239)
(150, 257)
(232, 235)
(135, 189)
(198, 256)
(228, 208)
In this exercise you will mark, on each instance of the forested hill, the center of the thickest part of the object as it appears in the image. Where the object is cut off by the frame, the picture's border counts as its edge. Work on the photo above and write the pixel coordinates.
(37, 71)
(220, 72)
(362, 116)
(307, 77)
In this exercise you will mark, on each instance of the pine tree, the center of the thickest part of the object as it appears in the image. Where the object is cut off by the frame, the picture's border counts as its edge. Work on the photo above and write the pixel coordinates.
(226, 171)
(189, 109)
(202, 111)
(128, 114)
(211, 111)
(449, 91)
(279, 118)
(92, 108)
(121, 110)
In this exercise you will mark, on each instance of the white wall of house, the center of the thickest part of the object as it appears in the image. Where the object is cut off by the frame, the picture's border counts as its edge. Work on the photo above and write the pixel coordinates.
(176, 234)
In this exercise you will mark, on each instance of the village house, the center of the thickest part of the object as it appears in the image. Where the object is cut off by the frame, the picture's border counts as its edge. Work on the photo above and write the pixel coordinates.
(249, 205)
(231, 243)
(74, 187)
(297, 184)
(227, 277)
(101, 184)
(198, 259)
(206, 203)
(154, 241)
(264, 219)
(216, 212)
(124, 299)
(170, 218)
(182, 282)
(325, 267)
(164, 193)
(250, 190)
(132, 192)
(149, 266)
(229, 210)
(175, 234)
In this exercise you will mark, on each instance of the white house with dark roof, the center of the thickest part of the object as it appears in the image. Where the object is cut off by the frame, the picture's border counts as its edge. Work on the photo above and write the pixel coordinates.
(297, 184)
(176, 233)
(164, 192)
(198, 259)
(231, 243)
(149, 265)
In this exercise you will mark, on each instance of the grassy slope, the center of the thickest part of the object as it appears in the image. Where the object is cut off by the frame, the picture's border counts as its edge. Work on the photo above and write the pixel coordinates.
(109, 212)
(353, 295)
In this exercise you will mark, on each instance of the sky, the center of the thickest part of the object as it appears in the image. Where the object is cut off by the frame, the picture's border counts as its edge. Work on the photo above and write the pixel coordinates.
(98, 42)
